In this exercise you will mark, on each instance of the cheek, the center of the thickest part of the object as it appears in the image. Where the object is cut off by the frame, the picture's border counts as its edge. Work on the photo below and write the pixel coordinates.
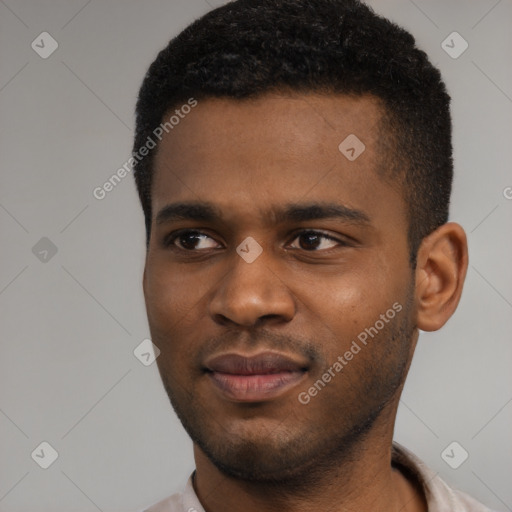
(348, 307)
(170, 293)
(170, 301)
(350, 298)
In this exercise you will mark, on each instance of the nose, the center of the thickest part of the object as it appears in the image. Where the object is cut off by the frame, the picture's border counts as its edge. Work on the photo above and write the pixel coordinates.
(252, 293)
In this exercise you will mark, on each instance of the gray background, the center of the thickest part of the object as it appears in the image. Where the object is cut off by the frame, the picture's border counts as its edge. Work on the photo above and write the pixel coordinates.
(70, 323)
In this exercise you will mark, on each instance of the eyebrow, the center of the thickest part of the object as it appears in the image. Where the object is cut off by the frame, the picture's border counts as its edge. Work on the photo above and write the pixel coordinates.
(293, 212)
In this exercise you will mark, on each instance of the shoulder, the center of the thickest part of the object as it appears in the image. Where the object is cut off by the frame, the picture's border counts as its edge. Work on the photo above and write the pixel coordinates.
(440, 497)
(171, 504)
(186, 501)
(466, 502)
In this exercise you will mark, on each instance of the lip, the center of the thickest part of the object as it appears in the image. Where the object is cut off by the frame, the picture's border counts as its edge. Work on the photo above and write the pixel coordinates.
(255, 378)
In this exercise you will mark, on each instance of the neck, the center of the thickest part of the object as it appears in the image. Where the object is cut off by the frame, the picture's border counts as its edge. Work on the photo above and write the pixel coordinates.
(359, 480)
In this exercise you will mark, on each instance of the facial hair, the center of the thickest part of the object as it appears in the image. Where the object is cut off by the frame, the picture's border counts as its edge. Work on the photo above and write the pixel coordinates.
(297, 459)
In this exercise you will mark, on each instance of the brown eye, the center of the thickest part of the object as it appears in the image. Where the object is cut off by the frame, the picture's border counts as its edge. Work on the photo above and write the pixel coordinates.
(316, 240)
(188, 240)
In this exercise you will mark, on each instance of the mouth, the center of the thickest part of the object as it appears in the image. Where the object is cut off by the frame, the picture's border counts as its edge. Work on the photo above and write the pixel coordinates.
(257, 378)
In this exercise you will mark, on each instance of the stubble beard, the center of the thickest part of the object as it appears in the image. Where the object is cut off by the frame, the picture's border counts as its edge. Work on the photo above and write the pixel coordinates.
(298, 460)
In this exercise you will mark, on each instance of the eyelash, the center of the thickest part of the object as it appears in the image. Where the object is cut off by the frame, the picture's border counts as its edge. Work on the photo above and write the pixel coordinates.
(170, 239)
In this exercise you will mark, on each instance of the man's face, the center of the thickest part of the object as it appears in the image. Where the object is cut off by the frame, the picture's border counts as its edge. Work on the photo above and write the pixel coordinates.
(318, 284)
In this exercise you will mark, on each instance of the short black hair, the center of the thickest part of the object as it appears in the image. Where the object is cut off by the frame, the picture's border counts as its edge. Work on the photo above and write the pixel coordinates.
(247, 48)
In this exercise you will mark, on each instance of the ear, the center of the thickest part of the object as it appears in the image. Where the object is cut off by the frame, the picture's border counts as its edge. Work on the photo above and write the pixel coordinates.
(442, 264)
(144, 277)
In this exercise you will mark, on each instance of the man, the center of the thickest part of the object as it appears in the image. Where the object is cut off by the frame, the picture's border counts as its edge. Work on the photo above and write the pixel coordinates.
(296, 209)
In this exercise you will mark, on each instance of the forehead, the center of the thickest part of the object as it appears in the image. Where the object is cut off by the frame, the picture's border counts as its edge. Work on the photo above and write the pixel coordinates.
(244, 154)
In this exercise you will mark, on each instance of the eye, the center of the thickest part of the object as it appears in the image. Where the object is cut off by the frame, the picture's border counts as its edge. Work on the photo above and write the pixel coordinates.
(193, 240)
(188, 239)
(315, 240)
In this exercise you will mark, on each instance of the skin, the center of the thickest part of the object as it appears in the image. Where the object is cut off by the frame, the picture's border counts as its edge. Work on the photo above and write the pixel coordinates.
(308, 298)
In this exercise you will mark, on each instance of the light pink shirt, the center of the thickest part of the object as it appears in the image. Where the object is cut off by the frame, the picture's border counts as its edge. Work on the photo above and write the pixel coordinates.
(440, 497)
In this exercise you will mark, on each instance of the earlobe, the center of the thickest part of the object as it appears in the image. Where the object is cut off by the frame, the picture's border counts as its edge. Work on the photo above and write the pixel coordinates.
(440, 273)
